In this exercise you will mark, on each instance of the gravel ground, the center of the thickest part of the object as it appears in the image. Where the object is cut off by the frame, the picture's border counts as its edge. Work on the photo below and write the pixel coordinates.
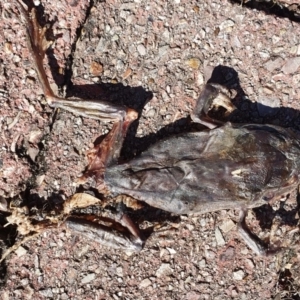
(153, 56)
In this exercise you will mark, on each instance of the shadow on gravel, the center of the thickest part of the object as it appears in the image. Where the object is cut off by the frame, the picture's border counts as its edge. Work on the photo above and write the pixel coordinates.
(273, 7)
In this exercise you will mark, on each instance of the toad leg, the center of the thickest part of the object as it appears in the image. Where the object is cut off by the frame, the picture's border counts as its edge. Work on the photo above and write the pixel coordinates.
(108, 151)
(252, 241)
(103, 235)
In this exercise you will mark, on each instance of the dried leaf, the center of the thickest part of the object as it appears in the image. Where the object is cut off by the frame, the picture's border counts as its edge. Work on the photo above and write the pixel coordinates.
(79, 200)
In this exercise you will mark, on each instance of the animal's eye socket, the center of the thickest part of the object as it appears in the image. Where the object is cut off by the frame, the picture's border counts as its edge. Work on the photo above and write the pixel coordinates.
(268, 197)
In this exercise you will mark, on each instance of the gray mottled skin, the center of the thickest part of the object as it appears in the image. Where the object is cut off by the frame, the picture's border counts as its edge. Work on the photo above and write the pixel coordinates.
(228, 167)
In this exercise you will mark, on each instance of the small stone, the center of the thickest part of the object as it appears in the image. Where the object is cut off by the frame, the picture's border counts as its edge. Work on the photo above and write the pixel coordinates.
(202, 263)
(236, 42)
(190, 227)
(8, 48)
(64, 296)
(119, 271)
(102, 45)
(200, 79)
(24, 281)
(16, 58)
(228, 254)
(3, 204)
(227, 225)
(145, 283)
(238, 275)
(72, 275)
(96, 68)
(163, 50)
(291, 65)
(88, 278)
(141, 49)
(244, 251)
(115, 37)
(33, 153)
(151, 113)
(294, 50)
(127, 73)
(275, 39)
(21, 251)
(202, 222)
(164, 270)
(193, 63)
(35, 136)
(194, 296)
(249, 263)
(120, 65)
(171, 251)
(234, 293)
(219, 237)
(55, 290)
(268, 90)
(46, 293)
(264, 54)
(226, 24)
(272, 65)
(210, 255)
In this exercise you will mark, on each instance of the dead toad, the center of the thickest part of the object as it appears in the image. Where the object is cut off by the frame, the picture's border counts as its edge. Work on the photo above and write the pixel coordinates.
(226, 166)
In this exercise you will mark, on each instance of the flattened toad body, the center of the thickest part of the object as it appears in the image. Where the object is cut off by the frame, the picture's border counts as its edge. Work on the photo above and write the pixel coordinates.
(228, 167)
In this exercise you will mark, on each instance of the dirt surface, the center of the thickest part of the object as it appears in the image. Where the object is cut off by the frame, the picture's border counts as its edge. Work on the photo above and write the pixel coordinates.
(153, 56)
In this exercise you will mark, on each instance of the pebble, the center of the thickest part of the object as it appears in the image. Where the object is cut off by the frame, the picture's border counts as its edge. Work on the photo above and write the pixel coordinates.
(120, 65)
(119, 271)
(88, 278)
(209, 254)
(227, 225)
(72, 275)
(274, 64)
(102, 45)
(200, 79)
(96, 68)
(46, 293)
(127, 73)
(21, 251)
(163, 50)
(238, 275)
(202, 222)
(291, 65)
(249, 263)
(202, 263)
(141, 49)
(226, 24)
(5, 295)
(193, 63)
(171, 251)
(219, 237)
(236, 42)
(228, 254)
(64, 296)
(145, 283)
(164, 270)
(151, 113)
